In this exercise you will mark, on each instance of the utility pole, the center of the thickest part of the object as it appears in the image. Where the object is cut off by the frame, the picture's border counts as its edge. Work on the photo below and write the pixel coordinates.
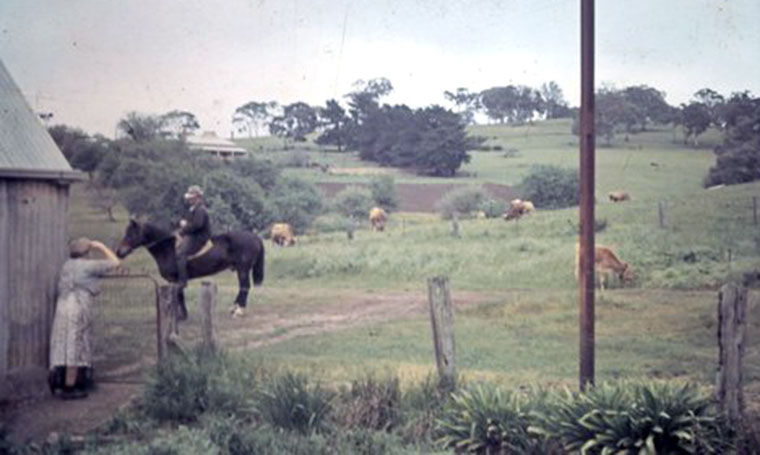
(586, 272)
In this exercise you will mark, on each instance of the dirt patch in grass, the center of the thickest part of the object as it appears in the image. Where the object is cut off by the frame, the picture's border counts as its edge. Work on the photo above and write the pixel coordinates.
(422, 197)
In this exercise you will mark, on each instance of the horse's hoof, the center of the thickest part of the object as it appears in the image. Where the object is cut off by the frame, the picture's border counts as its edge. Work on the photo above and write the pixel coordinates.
(238, 312)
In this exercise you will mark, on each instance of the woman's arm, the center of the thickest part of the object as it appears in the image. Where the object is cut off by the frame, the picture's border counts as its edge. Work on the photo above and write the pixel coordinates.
(110, 255)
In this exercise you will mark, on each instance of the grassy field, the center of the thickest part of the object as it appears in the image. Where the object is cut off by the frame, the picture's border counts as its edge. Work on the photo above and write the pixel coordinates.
(649, 165)
(527, 332)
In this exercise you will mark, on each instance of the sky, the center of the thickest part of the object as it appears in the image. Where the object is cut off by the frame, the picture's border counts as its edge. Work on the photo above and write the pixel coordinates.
(90, 62)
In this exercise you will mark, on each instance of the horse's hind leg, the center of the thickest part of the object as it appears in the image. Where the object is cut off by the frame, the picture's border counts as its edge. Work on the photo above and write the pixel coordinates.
(244, 284)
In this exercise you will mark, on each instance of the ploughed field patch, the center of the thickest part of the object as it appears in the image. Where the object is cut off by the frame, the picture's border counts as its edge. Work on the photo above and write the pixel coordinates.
(422, 197)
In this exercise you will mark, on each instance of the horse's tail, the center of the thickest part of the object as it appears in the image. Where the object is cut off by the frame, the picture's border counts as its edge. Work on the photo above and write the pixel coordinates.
(258, 265)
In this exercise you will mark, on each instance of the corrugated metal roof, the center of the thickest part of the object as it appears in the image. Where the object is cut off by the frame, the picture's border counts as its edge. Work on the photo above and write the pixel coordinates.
(26, 148)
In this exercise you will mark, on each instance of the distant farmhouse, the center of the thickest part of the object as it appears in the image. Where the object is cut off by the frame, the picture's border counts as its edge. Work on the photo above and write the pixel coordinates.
(214, 145)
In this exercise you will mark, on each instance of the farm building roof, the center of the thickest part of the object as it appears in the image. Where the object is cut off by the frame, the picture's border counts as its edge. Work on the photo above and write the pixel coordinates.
(210, 142)
(26, 148)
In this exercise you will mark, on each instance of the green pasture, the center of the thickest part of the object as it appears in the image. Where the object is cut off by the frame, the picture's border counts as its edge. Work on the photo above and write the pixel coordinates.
(526, 333)
(650, 165)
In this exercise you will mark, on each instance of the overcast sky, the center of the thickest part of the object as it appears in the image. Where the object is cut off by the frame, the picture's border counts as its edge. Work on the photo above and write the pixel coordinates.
(91, 61)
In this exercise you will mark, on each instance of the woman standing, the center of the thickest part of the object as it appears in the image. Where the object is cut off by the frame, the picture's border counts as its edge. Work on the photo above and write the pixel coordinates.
(70, 342)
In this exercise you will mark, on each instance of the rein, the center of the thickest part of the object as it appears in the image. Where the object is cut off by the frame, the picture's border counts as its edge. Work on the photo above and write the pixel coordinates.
(156, 242)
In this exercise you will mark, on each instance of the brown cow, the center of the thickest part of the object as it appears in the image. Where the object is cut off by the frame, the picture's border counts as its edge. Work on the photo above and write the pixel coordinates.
(619, 196)
(282, 234)
(518, 208)
(606, 262)
(378, 217)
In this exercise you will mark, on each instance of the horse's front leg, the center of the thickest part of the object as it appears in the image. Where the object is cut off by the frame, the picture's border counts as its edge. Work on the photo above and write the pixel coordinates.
(244, 284)
(182, 309)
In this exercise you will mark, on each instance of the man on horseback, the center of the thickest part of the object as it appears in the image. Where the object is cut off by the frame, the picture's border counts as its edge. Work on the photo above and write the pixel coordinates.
(194, 231)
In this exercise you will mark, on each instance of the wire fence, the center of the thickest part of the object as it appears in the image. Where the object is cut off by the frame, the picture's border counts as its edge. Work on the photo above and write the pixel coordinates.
(124, 331)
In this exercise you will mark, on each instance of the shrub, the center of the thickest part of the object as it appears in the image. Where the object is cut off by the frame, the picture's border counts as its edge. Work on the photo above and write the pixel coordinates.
(353, 202)
(235, 202)
(290, 403)
(182, 387)
(551, 187)
(647, 418)
(485, 420)
(371, 404)
(462, 201)
(493, 208)
(263, 172)
(333, 223)
(421, 406)
(294, 159)
(296, 202)
(383, 190)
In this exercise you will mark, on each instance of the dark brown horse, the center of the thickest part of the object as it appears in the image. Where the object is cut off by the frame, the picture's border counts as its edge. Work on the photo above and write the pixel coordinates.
(241, 251)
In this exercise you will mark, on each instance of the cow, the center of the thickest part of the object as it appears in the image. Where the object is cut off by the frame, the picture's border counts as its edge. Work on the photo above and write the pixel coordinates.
(619, 196)
(378, 217)
(518, 208)
(282, 234)
(606, 262)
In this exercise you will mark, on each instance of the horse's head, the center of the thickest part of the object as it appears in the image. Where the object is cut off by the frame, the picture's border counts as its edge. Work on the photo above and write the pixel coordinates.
(133, 238)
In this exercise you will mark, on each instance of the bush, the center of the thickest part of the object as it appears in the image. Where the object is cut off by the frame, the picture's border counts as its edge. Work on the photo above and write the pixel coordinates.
(735, 164)
(294, 159)
(383, 190)
(235, 202)
(353, 202)
(485, 420)
(182, 387)
(493, 208)
(463, 201)
(263, 172)
(371, 404)
(421, 405)
(296, 202)
(648, 418)
(290, 403)
(551, 187)
(333, 222)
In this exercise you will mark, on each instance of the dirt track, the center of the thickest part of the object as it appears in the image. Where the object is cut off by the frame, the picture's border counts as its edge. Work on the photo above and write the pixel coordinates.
(262, 327)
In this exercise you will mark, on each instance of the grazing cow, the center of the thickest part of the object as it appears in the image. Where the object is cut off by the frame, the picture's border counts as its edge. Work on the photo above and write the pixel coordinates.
(606, 262)
(619, 196)
(518, 208)
(282, 234)
(378, 217)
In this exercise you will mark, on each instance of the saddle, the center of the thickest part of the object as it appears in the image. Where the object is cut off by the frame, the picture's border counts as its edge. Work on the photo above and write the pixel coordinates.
(204, 249)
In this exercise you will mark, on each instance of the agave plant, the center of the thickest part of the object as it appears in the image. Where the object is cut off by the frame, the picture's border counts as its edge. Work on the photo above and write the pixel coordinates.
(485, 420)
(646, 418)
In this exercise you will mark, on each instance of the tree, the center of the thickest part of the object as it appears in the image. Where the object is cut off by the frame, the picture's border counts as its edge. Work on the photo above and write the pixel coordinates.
(253, 115)
(334, 120)
(82, 151)
(178, 124)
(467, 103)
(440, 143)
(383, 189)
(513, 104)
(366, 95)
(353, 202)
(296, 202)
(695, 118)
(714, 102)
(647, 105)
(297, 120)
(738, 158)
(263, 172)
(554, 101)
(141, 127)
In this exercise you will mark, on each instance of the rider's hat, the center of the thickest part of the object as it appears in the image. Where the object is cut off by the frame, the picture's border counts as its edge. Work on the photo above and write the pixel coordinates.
(193, 190)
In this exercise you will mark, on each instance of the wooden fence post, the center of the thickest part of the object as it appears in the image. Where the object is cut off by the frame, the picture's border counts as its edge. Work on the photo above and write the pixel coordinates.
(168, 327)
(754, 210)
(455, 225)
(732, 332)
(661, 213)
(208, 306)
(442, 322)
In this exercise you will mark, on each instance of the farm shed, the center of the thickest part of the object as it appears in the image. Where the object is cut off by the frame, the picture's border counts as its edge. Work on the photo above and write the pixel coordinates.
(34, 191)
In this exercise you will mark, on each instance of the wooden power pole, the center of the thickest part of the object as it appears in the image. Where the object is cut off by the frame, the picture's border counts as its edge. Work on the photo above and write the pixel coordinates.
(586, 273)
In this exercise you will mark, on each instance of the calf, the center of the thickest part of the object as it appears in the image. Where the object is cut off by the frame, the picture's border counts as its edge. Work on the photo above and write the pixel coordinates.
(282, 234)
(606, 262)
(378, 217)
(619, 196)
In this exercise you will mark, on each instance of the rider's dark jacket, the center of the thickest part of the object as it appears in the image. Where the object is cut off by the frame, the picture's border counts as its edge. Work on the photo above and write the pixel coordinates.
(197, 229)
